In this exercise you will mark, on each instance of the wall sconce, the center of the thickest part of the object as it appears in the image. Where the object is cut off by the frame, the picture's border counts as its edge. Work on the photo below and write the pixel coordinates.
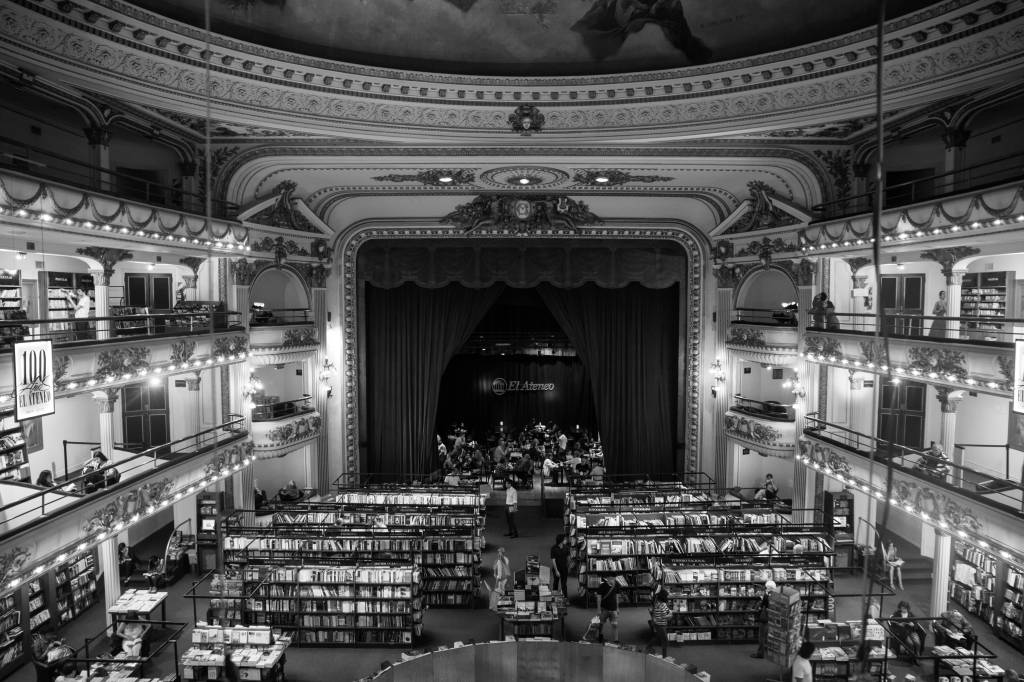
(253, 386)
(795, 386)
(717, 376)
(326, 372)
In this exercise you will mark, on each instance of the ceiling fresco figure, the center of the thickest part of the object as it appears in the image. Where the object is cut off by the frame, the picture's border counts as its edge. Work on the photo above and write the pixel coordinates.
(605, 27)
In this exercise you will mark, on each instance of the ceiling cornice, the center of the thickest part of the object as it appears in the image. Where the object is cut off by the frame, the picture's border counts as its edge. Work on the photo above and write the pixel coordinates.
(115, 48)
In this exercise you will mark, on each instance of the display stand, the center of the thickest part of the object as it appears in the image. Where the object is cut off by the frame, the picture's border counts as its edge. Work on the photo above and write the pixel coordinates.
(784, 620)
(255, 651)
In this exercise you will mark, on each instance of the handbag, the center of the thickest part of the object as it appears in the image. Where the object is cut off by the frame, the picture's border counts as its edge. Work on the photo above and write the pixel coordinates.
(514, 508)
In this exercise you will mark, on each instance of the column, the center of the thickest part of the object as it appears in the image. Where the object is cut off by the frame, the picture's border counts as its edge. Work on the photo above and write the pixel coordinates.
(101, 301)
(940, 572)
(319, 452)
(949, 401)
(239, 302)
(243, 487)
(190, 197)
(954, 286)
(812, 479)
(720, 403)
(190, 419)
(956, 154)
(98, 137)
(861, 171)
(107, 551)
(105, 400)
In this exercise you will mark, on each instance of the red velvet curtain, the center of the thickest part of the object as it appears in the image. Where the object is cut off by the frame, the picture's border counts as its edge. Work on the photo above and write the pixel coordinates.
(411, 335)
(628, 339)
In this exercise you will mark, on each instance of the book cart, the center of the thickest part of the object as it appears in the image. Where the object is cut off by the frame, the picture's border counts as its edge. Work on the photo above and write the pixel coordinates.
(839, 643)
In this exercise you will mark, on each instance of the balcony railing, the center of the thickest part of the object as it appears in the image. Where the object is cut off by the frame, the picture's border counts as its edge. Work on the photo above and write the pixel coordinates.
(1000, 488)
(262, 317)
(780, 317)
(115, 328)
(983, 330)
(994, 172)
(770, 410)
(75, 489)
(273, 411)
(41, 163)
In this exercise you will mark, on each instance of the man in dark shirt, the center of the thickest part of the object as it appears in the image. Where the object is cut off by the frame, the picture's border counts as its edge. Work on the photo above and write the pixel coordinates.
(560, 563)
(608, 607)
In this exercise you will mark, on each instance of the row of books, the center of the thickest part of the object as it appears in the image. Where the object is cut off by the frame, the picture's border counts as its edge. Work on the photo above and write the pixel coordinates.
(407, 499)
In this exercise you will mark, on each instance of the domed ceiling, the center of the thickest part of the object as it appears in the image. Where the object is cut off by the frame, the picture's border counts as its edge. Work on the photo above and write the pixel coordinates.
(531, 37)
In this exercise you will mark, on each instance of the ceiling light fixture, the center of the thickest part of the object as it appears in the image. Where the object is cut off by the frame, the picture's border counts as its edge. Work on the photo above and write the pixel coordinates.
(445, 179)
(601, 179)
(524, 181)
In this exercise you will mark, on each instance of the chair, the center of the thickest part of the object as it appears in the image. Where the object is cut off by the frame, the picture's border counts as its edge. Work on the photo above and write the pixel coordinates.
(499, 480)
(44, 671)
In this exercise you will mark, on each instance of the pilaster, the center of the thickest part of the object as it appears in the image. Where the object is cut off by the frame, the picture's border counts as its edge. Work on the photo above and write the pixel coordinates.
(108, 566)
(955, 157)
(720, 404)
(105, 400)
(243, 488)
(98, 137)
(954, 287)
(101, 301)
(942, 555)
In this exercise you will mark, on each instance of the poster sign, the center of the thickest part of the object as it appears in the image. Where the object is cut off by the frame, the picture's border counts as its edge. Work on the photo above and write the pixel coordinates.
(33, 379)
(1018, 376)
(502, 386)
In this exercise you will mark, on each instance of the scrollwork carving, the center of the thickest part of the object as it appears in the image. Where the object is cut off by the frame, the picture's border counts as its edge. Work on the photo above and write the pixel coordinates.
(821, 346)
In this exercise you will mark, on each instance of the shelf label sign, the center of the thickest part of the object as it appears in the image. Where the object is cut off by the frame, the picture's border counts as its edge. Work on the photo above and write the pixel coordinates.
(502, 386)
(1018, 376)
(33, 379)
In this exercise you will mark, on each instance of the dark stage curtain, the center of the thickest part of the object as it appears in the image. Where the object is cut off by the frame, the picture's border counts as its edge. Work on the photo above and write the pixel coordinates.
(468, 393)
(628, 339)
(411, 335)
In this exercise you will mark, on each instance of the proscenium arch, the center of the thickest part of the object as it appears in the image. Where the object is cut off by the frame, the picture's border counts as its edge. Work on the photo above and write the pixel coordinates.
(691, 303)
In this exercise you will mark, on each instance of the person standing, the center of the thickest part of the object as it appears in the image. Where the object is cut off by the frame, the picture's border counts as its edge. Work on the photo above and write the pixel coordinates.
(511, 508)
(82, 307)
(608, 608)
(560, 563)
(802, 669)
(502, 572)
(939, 311)
(818, 310)
(563, 442)
(762, 619)
(659, 621)
(895, 564)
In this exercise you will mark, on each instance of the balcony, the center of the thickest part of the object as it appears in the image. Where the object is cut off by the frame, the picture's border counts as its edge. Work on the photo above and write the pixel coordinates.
(762, 335)
(281, 426)
(767, 427)
(38, 523)
(998, 488)
(974, 353)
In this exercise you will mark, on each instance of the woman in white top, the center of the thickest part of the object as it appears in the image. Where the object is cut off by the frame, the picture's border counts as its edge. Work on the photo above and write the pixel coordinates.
(82, 305)
(802, 670)
(502, 571)
(895, 564)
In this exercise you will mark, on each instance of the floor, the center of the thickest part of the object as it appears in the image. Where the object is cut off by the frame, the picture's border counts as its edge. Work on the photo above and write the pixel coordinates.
(725, 663)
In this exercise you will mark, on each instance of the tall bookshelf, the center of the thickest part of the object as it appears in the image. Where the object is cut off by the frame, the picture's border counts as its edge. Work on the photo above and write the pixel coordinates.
(1009, 620)
(990, 295)
(13, 458)
(74, 587)
(973, 580)
(12, 635)
(366, 605)
(39, 618)
(783, 627)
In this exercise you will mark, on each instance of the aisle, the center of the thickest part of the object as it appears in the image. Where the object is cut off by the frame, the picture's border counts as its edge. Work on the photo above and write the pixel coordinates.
(726, 663)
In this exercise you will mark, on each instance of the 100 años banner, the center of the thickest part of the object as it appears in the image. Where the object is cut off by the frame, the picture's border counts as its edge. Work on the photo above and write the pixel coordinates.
(33, 379)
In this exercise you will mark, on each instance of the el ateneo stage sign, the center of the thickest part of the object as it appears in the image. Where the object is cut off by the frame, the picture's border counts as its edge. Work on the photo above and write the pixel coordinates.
(502, 386)
(33, 379)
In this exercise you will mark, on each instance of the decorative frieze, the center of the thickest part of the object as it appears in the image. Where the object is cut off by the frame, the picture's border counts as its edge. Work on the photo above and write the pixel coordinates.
(521, 215)
(121, 361)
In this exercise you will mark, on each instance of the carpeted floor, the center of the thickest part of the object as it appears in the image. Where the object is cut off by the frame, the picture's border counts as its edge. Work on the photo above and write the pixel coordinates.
(725, 663)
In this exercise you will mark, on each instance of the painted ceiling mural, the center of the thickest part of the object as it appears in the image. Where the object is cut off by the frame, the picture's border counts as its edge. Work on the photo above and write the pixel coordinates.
(531, 37)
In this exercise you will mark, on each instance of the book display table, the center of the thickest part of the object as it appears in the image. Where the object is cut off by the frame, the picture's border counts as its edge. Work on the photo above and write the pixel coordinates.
(142, 602)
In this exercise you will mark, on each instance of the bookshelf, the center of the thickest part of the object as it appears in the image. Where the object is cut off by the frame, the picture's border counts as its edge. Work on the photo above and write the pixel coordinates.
(1009, 620)
(783, 627)
(227, 595)
(336, 605)
(986, 294)
(12, 635)
(38, 608)
(10, 290)
(973, 578)
(74, 587)
(13, 459)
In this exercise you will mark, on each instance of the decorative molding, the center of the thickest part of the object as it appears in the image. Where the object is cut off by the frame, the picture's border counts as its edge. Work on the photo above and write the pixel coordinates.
(61, 367)
(230, 345)
(820, 345)
(614, 177)
(106, 398)
(526, 119)
(300, 338)
(872, 352)
(763, 213)
(182, 351)
(282, 212)
(121, 361)
(766, 437)
(948, 257)
(941, 362)
(108, 258)
(432, 177)
(537, 177)
(746, 336)
(1005, 363)
(949, 398)
(729, 276)
(244, 272)
(521, 215)
(12, 562)
(192, 263)
(765, 246)
(314, 274)
(856, 263)
(298, 429)
(118, 513)
(801, 272)
(837, 163)
(280, 247)
(692, 368)
(228, 458)
(264, 356)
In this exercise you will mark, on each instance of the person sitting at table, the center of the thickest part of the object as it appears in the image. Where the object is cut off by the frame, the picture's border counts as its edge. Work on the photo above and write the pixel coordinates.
(290, 493)
(524, 470)
(156, 574)
(954, 630)
(259, 496)
(126, 561)
(597, 473)
(132, 632)
(93, 476)
(45, 479)
(551, 470)
(908, 632)
(68, 672)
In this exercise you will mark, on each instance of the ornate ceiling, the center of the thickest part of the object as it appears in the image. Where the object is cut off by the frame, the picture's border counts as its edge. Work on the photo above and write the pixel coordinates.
(530, 37)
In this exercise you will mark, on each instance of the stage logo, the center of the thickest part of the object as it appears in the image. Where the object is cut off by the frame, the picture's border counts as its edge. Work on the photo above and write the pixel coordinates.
(502, 386)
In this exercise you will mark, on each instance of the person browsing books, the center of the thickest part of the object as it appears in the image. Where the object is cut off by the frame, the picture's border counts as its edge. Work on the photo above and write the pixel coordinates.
(762, 619)
(608, 607)
(502, 571)
(511, 508)
(560, 564)
(659, 620)
(802, 670)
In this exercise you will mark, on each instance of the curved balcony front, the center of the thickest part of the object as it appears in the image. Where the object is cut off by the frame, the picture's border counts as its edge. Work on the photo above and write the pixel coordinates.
(766, 427)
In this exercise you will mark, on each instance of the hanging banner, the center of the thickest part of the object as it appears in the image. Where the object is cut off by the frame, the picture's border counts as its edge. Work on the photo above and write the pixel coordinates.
(1018, 376)
(33, 379)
